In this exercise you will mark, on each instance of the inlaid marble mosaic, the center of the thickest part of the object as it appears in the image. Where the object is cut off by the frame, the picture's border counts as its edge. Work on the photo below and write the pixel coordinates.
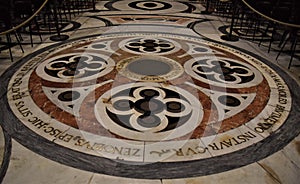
(146, 102)
(152, 7)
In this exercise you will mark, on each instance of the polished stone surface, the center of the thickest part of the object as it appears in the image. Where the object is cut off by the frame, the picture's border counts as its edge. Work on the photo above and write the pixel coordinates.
(213, 111)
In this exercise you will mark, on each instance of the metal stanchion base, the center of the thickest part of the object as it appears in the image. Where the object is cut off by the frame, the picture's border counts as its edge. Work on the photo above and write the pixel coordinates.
(229, 37)
(59, 37)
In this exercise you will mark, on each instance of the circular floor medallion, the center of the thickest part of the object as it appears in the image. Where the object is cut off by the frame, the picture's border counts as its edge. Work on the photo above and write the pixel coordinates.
(190, 103)
(150, 45)
(75, 66)
(150, 68)
(152, 7)
(149, 112)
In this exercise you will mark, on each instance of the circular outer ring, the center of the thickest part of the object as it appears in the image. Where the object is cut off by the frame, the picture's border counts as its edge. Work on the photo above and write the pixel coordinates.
(159, 170)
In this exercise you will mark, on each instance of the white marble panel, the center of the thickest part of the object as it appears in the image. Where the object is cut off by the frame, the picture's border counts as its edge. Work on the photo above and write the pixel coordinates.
(292, 151)
(281, 168)
(104, 179)
(28, 167)
(251, 174)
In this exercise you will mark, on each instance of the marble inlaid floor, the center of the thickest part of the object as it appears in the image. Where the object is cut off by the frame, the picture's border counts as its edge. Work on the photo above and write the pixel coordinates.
(148, 92)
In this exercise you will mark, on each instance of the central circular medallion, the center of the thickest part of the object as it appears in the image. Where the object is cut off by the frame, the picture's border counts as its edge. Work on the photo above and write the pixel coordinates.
(149, 68)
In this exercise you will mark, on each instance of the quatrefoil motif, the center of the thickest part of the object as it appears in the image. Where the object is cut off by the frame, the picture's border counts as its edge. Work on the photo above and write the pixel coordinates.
(149, 45)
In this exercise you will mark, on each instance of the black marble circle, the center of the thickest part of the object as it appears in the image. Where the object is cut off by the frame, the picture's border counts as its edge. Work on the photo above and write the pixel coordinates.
(149, 67)
(149, 106)
(68, 96)
(175, 107)
(149, 93)
(229, 101)
(123, 105)
(148, 121)
(150, 5)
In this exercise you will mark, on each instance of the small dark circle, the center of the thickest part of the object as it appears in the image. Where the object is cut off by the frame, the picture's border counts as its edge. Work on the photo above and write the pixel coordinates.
(68, 96)
(175, 107)
(95, 65)
(148, 121)
(148, 44)
(149, 93)
(98, 46)
(58, 65)
(150, 5)
(200, 49)
(70, 73)
(229, 101)
(150, 49)
(123, 105)
(149, 106)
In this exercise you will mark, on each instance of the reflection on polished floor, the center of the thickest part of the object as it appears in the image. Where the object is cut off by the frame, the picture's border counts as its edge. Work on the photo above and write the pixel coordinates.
(147, 92)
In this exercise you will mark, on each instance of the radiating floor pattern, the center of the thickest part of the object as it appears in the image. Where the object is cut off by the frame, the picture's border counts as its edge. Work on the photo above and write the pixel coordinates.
(147, 92)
